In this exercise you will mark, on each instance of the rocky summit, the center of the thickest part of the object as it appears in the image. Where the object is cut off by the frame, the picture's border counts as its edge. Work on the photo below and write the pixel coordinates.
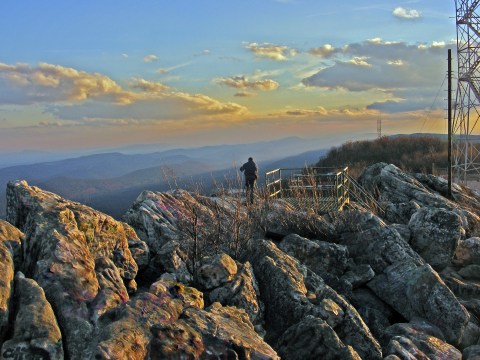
(185, 276)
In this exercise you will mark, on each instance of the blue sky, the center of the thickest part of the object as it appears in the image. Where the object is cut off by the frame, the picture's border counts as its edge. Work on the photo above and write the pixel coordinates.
(92, 74)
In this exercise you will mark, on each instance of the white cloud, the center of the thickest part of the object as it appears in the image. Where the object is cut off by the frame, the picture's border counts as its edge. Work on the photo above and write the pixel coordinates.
(271, 51)
(125, 56)
(242, 82)
(324, 51)
(407, 75)
(150, 58)
(70, 94)
(408, 14)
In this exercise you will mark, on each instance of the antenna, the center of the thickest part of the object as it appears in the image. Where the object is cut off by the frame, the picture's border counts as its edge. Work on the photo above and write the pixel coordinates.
(379, 127)
(466, 151)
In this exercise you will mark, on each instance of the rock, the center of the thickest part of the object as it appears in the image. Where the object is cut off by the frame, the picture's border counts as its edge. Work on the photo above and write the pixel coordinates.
(401, 212)
(62, 241)
(313, 338)
(403, 279)
(401, 347)
(321, 257)
(359, 275)
(10, 261)
(403, 230)
(471, 353)
(241, 292)
(177, 293)
(6, 288)
(284, 283)
(467, 252)
(12, 238)
(219, 332)
(215, 271)
(417, 291)
(471, 272)
(397, 187)
(172, 259)
(421, 340)
(124, 332)
(112, 291)
(140, 253)
(435, 235)
(36, 333)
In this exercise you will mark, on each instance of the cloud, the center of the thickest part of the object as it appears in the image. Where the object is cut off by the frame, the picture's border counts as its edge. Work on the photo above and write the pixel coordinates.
(148, 86)
(150, 58)
(397, 70)
(324, 51)
(70, 94)
(245, 94)
(408, 14)
(125, 56)
(241, 82)
(22, 84)
(271, 51)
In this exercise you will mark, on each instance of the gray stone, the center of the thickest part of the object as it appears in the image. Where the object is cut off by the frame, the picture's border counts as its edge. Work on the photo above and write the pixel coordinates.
(471, 272)
(421, 339)
(312, 338)
(6, 289)
(215, 271)
(435, 235)
(321, 257)
(418, 291)
(291, 292)
(172, 259)
(359, 275)
(36, 333)
(243, 292)
(471, 353)
(468, 252)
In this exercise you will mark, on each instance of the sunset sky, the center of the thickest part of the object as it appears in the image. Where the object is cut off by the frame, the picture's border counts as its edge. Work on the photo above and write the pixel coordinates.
(94, 74)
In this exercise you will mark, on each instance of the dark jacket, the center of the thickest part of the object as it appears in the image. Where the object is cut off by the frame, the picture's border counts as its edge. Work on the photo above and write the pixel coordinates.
(250, 169)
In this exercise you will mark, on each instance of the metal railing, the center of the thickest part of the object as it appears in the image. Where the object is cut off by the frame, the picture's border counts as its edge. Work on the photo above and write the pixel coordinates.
(321, 189)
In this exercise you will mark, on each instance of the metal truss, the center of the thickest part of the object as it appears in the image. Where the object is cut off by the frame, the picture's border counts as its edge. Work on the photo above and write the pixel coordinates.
(466, 142)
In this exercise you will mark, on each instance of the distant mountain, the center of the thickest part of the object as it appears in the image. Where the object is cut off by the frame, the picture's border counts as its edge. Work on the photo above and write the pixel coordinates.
(106, 177)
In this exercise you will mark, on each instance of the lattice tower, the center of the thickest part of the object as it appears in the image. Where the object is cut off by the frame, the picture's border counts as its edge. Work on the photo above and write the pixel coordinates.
(466, 147)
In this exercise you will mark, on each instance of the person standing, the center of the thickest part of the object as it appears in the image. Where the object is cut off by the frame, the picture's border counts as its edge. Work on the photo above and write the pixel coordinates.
(250, 170)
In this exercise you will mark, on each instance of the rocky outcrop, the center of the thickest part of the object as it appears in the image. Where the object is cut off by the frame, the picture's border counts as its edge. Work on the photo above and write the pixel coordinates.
(169, 322)
(290, 296)
(62, 241)
(10, 260)
(403, 279)
(347, 285)
(36, 334)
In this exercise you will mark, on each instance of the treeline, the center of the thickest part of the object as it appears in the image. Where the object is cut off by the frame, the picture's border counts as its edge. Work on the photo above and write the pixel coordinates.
(410, 153)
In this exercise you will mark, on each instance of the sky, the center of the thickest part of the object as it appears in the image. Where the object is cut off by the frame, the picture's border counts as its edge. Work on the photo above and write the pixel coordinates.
(100, 74)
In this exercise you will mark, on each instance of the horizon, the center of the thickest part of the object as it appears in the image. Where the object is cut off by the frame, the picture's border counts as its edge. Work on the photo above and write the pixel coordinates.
(87, 76)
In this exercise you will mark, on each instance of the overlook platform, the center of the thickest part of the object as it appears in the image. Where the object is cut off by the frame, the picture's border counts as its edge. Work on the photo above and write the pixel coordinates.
(320, 189)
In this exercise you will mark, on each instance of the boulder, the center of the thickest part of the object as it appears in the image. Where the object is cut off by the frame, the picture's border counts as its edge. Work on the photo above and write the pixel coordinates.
(172, 259)
(471, 353)
(12, 239)
(243, 292)
(62, 241)
(467, 252)
(419, 338)
(215, 271)
(218, 332)
(435, 235)
(6, 288)
(358, 275)
(312, 338)
(403, 279)
(112, 291)
(291, 292)
(320, 256)
(36, 334)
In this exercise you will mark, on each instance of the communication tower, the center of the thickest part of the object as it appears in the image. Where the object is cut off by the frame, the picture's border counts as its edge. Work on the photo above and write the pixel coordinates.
(466, 143)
